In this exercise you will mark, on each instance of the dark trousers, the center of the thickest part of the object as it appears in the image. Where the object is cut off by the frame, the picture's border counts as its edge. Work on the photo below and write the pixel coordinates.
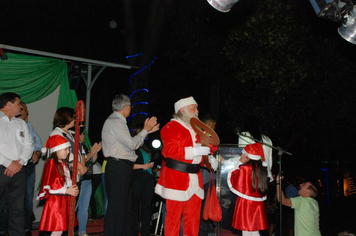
(12, 193)
(29, 216)
(95, 181)
(30, 175)
(118, 182)
(142, 199)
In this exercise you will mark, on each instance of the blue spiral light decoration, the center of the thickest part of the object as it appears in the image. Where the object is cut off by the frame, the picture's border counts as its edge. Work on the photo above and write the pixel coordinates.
(138, 113)
(138, 90)
(138, 72)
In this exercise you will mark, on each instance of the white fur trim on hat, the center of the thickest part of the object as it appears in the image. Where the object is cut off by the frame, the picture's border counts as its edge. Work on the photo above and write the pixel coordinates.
(56, 143)
(183, 103)
(255, 152)
(251, 156)
(59, 147)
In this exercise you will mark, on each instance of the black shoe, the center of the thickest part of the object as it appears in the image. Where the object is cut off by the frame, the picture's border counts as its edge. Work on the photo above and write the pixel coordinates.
(28, 233)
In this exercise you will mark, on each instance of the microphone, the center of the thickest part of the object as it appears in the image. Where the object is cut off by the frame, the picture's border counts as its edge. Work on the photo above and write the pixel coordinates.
(237, 130)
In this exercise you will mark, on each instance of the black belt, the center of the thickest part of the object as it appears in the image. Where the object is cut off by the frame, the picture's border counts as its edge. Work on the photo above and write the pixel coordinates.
(122, 160)
(182, 166)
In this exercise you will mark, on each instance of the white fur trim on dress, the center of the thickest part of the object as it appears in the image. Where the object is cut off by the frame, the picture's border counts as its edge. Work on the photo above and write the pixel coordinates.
(181, 195)
(256, 199)
(51, 191)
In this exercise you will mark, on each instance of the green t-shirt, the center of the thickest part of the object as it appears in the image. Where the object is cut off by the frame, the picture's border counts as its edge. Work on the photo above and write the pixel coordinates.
(306, 222)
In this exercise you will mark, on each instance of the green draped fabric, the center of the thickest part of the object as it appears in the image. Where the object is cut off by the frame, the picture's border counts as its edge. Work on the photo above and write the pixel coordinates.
(33, 78)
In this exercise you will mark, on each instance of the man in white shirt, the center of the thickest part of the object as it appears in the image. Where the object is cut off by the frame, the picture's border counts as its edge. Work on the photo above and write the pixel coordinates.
(16, 149)
(119, 147)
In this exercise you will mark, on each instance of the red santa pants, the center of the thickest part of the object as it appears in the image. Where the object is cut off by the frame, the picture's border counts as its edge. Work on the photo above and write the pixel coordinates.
(191, 217)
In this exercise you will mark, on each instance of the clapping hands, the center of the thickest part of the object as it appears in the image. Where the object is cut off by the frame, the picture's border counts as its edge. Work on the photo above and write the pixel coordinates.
(151, 125)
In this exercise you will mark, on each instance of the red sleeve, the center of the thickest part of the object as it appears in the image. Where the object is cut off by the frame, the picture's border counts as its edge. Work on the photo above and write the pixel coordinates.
(51, 179)
(175, 138)
(241, 179)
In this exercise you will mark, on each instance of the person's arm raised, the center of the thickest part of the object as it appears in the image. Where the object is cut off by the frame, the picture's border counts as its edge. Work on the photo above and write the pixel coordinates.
(285, 201)
(151, 125)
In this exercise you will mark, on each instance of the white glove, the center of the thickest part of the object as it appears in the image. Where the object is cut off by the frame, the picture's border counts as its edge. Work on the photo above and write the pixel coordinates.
(201, 150)
(213, 162)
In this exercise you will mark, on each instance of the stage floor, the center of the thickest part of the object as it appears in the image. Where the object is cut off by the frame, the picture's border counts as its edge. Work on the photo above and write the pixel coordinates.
(94, 228)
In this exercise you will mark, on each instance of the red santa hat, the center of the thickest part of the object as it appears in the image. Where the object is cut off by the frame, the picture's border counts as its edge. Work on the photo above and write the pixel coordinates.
(255, 152)
(56, 143)
(183, 103)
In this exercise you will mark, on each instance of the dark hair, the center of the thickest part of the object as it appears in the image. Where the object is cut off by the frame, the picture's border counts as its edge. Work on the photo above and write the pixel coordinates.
(259, 176)
(56, 161)
(63, 117)
(8, 97)
(207, 117)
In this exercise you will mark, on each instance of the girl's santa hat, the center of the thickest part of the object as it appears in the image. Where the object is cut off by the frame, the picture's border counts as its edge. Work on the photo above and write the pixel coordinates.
(55, 143)
(255, 152)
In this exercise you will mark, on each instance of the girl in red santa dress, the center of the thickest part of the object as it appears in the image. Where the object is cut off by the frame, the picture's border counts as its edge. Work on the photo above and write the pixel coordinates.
(249, 180)
(56, 187)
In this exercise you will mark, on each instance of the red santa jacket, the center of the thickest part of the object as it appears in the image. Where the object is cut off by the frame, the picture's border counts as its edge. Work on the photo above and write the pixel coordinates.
(178, 142)
(239, 181)
(52, 182)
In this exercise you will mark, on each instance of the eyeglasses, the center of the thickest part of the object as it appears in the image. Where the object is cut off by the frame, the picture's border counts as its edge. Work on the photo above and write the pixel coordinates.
(129, 106)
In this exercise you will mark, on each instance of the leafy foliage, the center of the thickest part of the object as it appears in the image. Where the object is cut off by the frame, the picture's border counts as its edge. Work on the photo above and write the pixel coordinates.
(266, 48)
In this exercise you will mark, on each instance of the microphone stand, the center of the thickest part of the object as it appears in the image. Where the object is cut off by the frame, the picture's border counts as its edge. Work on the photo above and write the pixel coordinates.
(280, 153)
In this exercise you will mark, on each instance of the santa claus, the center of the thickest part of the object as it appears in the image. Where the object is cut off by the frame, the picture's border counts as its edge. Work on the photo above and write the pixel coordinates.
(181, 181)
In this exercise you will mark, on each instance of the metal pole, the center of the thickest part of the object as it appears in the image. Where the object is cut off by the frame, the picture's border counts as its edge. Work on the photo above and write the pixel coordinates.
(218, 190)
(280, 152)
(87, 103)
(90, 85)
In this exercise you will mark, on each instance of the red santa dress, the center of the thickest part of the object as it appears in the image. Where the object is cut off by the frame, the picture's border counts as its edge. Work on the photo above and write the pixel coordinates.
(183, 191)
(55, 215)
(250, 210)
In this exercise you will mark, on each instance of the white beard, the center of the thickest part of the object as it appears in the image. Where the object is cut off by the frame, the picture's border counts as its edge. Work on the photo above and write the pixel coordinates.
(186, 117)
